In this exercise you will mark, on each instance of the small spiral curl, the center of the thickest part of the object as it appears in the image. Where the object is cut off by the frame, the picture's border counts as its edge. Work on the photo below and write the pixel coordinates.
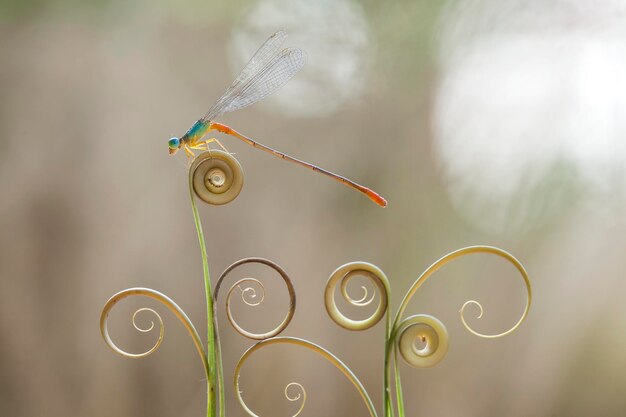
(251, 298)
(301, 393)
(249, 294)
(509, 258)
(216, 177)
(149, 329)
(167, 302)
(429, 331)
(109, 341)
(342, 276)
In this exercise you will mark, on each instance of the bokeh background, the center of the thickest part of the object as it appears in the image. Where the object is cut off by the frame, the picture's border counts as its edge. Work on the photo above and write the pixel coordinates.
(482, 122)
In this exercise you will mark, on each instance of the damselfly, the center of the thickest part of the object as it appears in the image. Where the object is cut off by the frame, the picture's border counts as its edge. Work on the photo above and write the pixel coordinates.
(268, 70)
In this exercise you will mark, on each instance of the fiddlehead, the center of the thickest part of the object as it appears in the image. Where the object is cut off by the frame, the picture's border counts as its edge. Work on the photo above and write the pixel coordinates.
(251, 298)
(167, 302)
(311, 346)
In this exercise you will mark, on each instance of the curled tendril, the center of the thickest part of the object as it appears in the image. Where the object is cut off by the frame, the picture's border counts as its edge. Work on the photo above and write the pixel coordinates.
(216, 176)
(343, 275)
(311, 346)
(360, 302)
(438, 329)
(301, 394)
(429, 331)
(149, 329)
(251, 293)
(167, 302)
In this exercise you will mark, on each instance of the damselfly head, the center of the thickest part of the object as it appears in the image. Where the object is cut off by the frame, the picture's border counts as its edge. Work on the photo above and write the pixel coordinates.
(174, 145)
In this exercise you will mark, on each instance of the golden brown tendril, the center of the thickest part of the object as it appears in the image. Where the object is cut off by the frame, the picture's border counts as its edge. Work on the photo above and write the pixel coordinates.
(167, 302)
(302, 394)
(149, 329)
(438, 331)
(248, 294)
(343, 275)
(311, 346)
(251, 292)
(217, 177)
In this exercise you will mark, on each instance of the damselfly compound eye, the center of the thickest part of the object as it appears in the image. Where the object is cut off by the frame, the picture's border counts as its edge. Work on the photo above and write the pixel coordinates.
(174, 143)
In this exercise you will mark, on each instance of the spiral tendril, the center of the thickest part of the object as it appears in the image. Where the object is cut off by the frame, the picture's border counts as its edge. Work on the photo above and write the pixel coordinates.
(149, 329)
(480, 315)
(216, 177)
(311, 346)
(472, 302)
(249, 292)
(301, 394)
(427, 330)
(342, 276)
(462, 252)
(167, 302)
(432, 331)
(361, 302)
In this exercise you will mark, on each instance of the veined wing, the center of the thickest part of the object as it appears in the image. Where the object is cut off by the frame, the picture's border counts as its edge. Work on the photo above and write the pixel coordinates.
(262, 56)
(259, 60)
(267, 80)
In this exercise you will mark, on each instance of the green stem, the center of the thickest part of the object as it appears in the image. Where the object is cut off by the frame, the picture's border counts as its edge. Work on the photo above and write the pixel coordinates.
(211, 351)
(396, 370)
(220, 371)
(387, 407)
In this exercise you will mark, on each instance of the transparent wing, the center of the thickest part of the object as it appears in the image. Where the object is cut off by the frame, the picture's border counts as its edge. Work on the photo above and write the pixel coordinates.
(269, 79)
(262, 56)
(259, 60)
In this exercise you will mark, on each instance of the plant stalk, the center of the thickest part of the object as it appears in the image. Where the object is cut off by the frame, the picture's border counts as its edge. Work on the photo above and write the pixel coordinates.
(211, 351)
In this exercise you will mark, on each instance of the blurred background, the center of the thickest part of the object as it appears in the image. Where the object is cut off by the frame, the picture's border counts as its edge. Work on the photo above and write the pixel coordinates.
(482, 122)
